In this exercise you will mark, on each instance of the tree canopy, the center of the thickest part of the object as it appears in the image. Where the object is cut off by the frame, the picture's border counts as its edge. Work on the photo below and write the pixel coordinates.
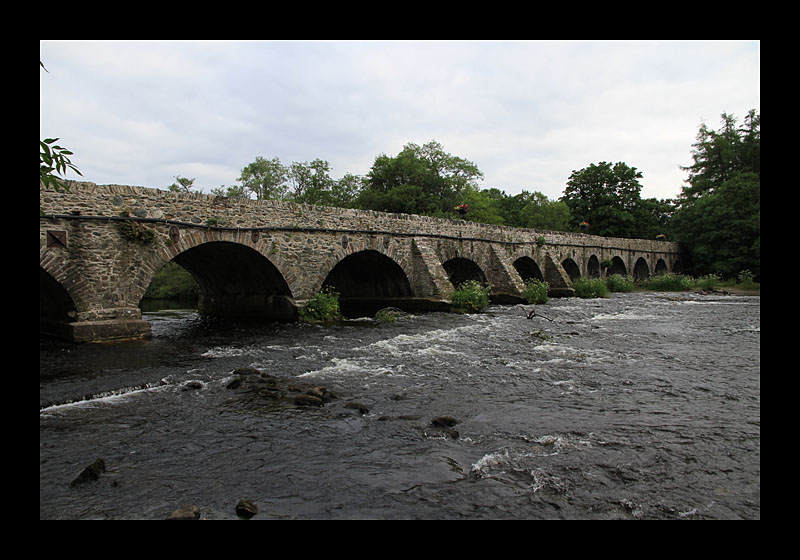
(605, 198)
(721, 155)
(718, 215)
(419, 180)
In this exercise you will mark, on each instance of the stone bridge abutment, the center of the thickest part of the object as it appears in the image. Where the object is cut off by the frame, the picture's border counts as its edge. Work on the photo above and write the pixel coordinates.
(100, 246)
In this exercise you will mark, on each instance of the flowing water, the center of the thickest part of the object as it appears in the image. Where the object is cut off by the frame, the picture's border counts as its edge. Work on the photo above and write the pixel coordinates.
(638, 406)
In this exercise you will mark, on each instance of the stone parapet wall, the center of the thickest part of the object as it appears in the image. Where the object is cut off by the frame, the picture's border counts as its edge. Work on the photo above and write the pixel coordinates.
(90, 199)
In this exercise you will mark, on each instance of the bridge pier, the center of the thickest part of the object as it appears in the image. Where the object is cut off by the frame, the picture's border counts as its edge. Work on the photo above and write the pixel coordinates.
(107, 330)
(91, 327)
(557, 278)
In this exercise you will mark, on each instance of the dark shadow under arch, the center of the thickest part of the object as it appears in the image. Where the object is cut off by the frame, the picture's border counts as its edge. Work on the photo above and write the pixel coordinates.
(640, 270)
(56, 307)
(367, 281)
(528, 269)
(593, 267)
(571, 268)
(617, 267)
(237, 281)
(460, 269)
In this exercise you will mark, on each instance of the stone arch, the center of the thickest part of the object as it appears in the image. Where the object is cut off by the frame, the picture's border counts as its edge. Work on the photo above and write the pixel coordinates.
(661, 267)
(366, 281)
(56, 306)
(235, 279)
(528, 269)
(571, 268)
(593, 267)
(461, 269)
(466, 260)
(641, 270)
(344, 247)
(57, 275)
(617, 267)
(368, 273)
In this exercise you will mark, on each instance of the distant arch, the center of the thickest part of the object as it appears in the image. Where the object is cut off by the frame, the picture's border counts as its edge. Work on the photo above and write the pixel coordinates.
(571, 268)
(640, 269)
(527, 269)
(593, 267)
(661, 267)
(617, 267)
(368, 273)
(461, 269)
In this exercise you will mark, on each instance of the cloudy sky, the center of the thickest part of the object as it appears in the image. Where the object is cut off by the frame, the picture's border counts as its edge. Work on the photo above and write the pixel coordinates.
(527, 113)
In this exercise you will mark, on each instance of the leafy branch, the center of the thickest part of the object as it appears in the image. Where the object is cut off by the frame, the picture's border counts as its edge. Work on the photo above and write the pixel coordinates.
(53, 158)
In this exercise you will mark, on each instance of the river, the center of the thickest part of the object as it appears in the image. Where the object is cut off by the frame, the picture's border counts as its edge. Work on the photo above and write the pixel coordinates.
(637, 406)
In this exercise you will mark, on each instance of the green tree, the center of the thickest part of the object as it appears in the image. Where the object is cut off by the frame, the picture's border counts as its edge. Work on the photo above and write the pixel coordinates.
(53, 160)
(719, 155)
(605, 196)
(345, 191)
(718, 215)
(538, 212)
(485, 206)
(182, 184)
(435, 181)
(265, 178)
(652, 218)
(311, 182)
(313, 185)
(236, 191)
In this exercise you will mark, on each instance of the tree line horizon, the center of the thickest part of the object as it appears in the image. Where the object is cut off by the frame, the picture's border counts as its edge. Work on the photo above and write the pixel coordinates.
(716, 216)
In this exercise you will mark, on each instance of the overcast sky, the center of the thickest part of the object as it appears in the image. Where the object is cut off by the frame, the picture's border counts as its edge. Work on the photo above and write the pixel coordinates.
(527, 113)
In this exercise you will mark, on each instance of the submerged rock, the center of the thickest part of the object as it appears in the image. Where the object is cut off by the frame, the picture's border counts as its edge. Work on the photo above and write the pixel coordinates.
(190, 385)
(246, 509)
(187, 512)
(444, 425)
(308, 400)
(444, 421)
(362, 409)
(90, 473)
(255, 388)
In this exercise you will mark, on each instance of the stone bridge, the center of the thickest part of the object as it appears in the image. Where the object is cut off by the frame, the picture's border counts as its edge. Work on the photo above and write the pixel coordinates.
(101, 245)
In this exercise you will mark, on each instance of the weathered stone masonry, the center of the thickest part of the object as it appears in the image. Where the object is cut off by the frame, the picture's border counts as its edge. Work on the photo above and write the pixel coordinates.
(101, 245)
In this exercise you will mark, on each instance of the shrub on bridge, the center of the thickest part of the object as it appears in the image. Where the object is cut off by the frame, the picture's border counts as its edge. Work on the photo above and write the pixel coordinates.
(470, 297)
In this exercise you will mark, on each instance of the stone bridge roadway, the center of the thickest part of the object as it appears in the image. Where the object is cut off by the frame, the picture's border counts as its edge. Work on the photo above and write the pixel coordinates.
(101, 245)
